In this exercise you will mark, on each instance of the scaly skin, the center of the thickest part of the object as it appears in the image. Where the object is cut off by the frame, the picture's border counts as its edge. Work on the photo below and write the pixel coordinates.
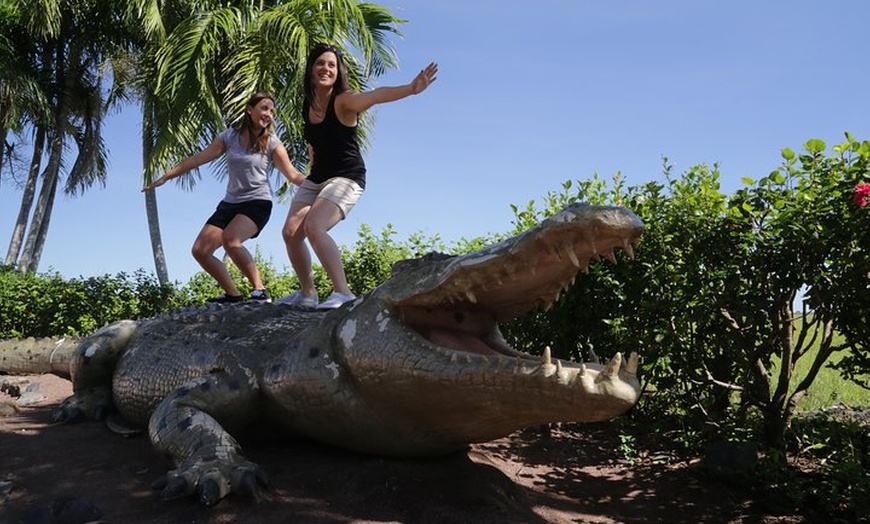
(416, 367)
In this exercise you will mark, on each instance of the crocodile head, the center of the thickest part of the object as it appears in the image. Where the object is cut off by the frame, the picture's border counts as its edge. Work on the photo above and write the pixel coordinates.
(426, 344)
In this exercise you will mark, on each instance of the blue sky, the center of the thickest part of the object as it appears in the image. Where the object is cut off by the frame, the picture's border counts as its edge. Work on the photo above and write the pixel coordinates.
(529, 95)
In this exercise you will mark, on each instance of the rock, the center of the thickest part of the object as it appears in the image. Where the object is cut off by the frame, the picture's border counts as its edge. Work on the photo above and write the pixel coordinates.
(730, 461)
(6, 487)
(10, 389)
(30, 398)
(65, 510)
(8, 407)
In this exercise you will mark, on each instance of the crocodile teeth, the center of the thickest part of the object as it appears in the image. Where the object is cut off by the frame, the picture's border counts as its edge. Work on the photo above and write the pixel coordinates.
(572, 256)
(612, 369)
(610, 256)
(547, 358)
(631, 365)
(562, 373)
(471, 297)
(593, 356)
(578, 377)
(626, 245)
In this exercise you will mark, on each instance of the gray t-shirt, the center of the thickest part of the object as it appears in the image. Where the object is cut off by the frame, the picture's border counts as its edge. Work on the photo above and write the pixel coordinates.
(247, 172)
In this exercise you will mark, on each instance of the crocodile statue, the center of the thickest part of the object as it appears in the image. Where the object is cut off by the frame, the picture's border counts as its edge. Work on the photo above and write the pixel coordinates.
(416, 367)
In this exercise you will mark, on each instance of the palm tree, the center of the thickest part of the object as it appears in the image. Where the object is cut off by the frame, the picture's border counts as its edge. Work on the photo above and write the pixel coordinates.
(66, 52)
(215, 56)
(23, 100)
(154, 18)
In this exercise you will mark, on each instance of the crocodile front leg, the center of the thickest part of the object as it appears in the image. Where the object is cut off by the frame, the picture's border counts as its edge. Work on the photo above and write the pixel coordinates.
(91, 369)
(208, 460)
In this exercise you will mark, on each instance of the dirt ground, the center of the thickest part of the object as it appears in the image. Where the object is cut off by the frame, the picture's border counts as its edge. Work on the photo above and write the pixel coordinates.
(71, 474)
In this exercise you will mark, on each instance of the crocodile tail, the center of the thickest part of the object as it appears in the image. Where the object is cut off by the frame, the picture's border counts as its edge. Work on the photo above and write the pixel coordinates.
(36, 356)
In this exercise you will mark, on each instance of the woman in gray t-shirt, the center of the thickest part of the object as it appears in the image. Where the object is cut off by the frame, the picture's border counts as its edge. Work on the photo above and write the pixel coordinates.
(247, 205)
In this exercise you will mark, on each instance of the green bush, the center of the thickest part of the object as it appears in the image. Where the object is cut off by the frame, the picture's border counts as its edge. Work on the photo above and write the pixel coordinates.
(829, 468)
(46, 305)
(710, 300)
(369, 261)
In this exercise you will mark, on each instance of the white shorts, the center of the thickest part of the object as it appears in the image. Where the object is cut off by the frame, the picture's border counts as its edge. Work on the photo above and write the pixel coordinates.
(341, 191)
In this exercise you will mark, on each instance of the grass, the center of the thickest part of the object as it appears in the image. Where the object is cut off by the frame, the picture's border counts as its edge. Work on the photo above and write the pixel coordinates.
(829, 387)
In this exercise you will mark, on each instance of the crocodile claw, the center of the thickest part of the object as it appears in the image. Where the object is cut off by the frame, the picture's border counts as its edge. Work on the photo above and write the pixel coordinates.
(174, 488)
(250, 483)
(212, 481)
(89, 404)
(212, 489)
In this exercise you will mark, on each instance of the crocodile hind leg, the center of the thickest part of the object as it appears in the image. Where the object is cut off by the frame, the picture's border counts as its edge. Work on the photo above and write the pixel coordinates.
(91, 369)
(185, 426)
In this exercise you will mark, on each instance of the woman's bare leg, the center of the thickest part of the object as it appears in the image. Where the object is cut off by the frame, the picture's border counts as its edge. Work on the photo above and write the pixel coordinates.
(322, 216)
(294, 240)
(242, 228)
(206, 243)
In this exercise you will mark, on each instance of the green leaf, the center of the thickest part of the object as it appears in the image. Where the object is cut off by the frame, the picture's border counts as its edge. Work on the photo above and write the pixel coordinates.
(815, 145)
(787, 153)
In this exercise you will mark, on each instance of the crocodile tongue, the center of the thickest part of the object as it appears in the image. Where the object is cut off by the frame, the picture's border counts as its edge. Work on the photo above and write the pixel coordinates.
(458, 329)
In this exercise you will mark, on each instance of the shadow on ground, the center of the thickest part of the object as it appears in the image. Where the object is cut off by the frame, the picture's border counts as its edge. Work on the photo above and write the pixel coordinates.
(49, 472)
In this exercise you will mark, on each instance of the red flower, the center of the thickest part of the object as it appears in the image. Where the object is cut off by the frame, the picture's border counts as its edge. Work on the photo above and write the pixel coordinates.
(862, 193)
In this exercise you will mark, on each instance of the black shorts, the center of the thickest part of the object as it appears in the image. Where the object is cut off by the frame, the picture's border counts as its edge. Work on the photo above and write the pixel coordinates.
(257, 210)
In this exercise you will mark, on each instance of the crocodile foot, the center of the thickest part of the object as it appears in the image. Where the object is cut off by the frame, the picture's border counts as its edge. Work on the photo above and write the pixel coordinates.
(88, 404)
(212, 480)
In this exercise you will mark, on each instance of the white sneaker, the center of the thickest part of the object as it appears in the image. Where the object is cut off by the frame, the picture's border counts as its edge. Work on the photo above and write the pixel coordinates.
(335, 300)
(297, 298)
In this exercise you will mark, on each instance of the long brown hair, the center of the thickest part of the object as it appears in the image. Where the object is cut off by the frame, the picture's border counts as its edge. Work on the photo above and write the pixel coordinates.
(341, 80)
(258, 143)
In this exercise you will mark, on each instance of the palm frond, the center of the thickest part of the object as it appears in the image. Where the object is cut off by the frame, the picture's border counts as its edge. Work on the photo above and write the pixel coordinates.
(41, 18)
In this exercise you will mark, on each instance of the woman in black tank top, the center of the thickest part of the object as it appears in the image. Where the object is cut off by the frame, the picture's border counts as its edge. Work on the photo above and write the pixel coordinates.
(338, 175)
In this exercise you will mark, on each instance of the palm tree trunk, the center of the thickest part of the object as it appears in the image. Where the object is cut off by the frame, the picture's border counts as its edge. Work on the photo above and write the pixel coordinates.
(26, 199)
(36, 253)
(154, 234)
(4, 149)
(29, 261)
(151, 210)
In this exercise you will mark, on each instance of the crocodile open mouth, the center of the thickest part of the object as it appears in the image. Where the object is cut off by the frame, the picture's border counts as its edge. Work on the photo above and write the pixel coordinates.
(460, 300)
(465, 328)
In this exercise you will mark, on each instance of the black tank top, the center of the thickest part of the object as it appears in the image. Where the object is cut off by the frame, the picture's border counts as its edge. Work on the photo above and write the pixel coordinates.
(336, 148)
